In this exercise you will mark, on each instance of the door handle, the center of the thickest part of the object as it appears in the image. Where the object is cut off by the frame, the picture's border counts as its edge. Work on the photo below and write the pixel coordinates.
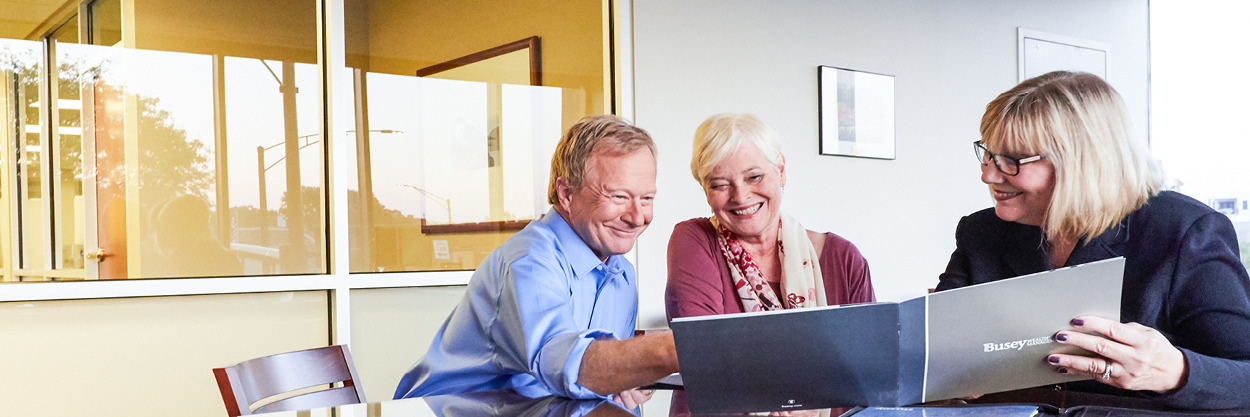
(98, 255)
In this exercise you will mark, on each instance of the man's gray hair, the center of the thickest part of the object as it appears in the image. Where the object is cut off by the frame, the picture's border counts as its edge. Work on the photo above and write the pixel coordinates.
(592, 134)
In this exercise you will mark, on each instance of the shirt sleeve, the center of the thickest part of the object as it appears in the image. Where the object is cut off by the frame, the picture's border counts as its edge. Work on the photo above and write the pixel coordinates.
(847, 277)
(695, 286)
(536, 331)
(1210, 317)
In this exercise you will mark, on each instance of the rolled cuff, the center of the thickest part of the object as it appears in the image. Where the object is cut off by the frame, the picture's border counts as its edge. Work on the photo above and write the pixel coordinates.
(559, 362)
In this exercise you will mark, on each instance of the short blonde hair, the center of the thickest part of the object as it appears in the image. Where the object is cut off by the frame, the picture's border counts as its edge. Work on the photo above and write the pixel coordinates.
(722, 134)
(606, 133)
(1078, 122)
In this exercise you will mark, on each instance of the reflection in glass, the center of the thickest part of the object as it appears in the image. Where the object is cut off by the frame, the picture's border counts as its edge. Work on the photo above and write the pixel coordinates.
(531, 122)
(275, 147)
(438, 214)
(20, 70)
(146, 121)
(157, 109)
(106, 22)
(148, 132)
(451, 164)
(511, 403)
(67, 32)
(20, 67)
(67, 138)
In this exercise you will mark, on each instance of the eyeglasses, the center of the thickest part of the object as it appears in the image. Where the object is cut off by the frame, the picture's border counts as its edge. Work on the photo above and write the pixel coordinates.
(1005, 164)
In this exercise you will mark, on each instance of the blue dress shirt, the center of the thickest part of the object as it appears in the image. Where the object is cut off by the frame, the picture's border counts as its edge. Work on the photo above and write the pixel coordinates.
(528, 315)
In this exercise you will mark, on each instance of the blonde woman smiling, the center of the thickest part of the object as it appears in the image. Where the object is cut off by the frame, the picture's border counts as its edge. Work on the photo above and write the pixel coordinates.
(1071, 186)
(750, 255)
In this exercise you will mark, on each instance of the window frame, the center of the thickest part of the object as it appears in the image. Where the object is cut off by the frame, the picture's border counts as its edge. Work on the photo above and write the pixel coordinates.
(337, 101)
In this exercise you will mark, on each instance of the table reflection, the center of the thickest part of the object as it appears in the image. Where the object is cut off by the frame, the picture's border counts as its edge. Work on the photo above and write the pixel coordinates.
(512, 403)
(506, 402)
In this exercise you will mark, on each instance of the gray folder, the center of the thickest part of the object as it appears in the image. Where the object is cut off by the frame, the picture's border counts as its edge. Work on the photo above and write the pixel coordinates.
(974, 340)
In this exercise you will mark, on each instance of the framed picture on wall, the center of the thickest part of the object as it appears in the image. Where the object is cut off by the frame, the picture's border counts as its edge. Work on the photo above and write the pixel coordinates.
(517, 62)
(856, 113)
(1040, 52)
(489, 142)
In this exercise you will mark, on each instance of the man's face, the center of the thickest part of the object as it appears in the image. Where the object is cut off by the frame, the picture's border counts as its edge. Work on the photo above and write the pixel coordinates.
(613, 205)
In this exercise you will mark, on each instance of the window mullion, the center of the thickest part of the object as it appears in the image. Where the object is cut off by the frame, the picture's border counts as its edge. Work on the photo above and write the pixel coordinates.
(336, 103)
(48, 134)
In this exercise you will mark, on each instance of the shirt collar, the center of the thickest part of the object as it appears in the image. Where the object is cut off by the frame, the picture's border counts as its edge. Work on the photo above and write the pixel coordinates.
(578, 252)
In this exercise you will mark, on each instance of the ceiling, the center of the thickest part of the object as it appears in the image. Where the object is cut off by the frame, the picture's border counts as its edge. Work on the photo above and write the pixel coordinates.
(19, 17)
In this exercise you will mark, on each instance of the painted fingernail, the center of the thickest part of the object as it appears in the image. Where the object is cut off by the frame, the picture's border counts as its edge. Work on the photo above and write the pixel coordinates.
(1063, 370)
(1053, 359)
(1078, 322)
(1061, 337)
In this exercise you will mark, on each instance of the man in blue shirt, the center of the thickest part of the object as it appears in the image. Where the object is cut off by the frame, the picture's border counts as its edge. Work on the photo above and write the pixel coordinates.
(553, 309)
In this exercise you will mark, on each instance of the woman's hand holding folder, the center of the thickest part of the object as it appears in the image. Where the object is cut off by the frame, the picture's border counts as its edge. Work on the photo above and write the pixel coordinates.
(1131, 356)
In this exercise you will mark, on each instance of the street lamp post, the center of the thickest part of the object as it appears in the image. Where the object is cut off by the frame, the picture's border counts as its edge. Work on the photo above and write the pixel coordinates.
(437, 199)
(262, 168)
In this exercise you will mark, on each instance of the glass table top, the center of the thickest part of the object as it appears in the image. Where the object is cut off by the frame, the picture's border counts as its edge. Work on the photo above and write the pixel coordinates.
(511, 403)
(485, 403)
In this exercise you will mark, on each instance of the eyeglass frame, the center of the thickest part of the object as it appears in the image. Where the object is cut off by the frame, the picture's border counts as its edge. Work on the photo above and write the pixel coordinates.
(978, 148)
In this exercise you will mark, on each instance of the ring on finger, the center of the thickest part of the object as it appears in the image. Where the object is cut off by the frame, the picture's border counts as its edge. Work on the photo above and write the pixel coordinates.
(1106, 373)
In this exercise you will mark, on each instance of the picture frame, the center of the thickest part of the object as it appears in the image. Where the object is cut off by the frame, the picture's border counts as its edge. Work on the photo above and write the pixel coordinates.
(856, 113)
(1040, 52)
(532, 44)
(518, 62)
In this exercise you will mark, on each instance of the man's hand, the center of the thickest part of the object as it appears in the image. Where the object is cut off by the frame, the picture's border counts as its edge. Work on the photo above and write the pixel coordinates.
(612, 366)
(632, 398)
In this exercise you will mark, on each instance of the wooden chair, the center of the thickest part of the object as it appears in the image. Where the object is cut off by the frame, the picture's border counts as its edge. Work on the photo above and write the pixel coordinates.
(249, 382)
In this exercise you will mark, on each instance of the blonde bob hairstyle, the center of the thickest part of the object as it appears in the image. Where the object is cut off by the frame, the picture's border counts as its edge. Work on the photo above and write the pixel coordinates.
(1077, 122)
(720, 136)
(592, 134)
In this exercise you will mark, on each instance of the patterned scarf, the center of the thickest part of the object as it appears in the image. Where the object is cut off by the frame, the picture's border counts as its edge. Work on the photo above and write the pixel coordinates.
(801, 279)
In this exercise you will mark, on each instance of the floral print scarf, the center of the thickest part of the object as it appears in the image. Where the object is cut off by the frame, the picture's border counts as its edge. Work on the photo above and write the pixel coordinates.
(801, 279)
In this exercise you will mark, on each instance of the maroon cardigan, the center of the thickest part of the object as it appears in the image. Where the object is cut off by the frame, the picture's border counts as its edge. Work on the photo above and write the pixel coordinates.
(699, 283)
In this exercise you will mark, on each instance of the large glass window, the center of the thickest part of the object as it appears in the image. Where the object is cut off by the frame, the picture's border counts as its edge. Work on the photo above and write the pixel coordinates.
(20, 68)
(458, 107)
(1198, 101)
(164, 138)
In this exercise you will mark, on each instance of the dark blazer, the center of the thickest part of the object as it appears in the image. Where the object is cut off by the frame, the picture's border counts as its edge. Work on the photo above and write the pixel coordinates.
(1182, 276)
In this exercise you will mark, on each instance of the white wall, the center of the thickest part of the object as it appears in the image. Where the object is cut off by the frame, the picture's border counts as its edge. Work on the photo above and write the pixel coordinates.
(698, 58)
(392, 329)
(146, 356)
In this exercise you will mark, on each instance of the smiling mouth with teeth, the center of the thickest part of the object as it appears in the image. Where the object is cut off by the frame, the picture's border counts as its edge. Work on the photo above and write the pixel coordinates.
(749, 211)
(1005, 195)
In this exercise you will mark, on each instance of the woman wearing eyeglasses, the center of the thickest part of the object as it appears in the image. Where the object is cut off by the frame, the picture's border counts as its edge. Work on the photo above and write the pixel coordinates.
(1071, 185)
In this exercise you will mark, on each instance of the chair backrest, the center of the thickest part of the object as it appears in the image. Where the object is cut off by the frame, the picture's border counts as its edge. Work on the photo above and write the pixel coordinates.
(248, 382)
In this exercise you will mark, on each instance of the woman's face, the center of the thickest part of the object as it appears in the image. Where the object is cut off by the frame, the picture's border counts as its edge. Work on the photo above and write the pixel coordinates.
(744, 191)
(1025, 197)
